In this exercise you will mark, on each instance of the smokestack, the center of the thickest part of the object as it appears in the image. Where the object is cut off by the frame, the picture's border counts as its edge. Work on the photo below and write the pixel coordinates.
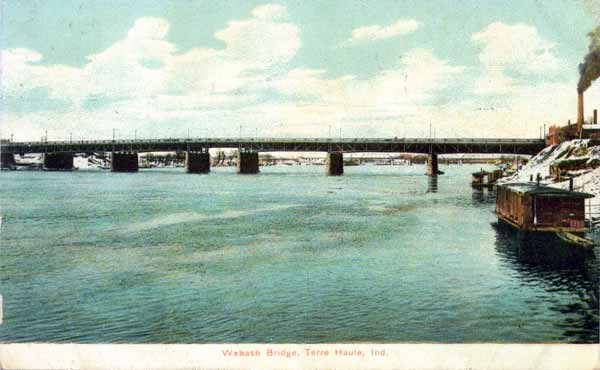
(595, 121)
(579, 110)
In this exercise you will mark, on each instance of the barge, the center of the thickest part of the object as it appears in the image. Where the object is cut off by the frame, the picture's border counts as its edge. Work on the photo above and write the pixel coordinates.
(544, 212)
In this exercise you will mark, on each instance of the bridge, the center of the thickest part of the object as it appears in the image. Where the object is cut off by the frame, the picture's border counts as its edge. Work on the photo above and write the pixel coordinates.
(59, 154)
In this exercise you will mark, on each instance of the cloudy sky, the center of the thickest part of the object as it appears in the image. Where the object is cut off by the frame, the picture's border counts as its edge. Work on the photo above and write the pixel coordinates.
(291, 68)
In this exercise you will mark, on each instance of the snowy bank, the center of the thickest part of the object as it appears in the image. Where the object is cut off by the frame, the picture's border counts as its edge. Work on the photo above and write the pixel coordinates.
(580, 153)
(90, 162)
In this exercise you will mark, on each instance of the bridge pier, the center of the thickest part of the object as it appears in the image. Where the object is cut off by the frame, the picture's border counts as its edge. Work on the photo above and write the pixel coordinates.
(7, 160)
(247, 162)
(124, 162)
(334, 165)
(197, 162)
(58, 161)
(432, 165)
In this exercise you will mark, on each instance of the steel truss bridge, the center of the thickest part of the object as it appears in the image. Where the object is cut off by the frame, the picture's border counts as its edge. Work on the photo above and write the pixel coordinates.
(347, 145)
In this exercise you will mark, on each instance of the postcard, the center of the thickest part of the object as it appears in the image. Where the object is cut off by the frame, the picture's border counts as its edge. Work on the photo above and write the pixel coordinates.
(203, 184)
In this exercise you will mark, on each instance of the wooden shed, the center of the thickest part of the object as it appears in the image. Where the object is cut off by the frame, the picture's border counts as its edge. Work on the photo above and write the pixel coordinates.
(530, 207)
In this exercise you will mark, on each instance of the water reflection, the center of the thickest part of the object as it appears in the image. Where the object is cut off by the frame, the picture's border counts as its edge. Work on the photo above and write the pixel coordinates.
(432, 184)
(556, 268)
(483, 195)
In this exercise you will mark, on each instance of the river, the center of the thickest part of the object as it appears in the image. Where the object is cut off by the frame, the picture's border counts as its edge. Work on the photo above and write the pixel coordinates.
(382, 254)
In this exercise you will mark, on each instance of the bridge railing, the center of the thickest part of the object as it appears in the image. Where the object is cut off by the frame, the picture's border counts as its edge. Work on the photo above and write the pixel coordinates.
(276, 140)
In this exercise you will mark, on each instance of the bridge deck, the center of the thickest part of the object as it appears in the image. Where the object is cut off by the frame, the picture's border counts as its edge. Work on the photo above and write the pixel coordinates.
(349, 145)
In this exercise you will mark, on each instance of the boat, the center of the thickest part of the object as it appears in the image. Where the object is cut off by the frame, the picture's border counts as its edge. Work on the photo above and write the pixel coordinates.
(574, 239)
(544, 238)
(479, 179)
(486, 179)
(543, 213)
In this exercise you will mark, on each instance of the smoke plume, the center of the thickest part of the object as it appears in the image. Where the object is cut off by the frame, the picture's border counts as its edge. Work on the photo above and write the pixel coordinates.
(589, 69)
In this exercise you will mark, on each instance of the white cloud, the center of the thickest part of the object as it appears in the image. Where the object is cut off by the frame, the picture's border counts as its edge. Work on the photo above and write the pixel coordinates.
(381, 104)
(260, 42)
(20, 73)
(520, 114)
(253, 47)
(493, 82)
(144, 64)
(270, 12)
(419, 74)
(516, 47)
(511, 54)
(141, 79)
(312, 85)
(376, 32)
(133, 66)
(143, 83)
(130, 67)
(378, 105)
(149, 28)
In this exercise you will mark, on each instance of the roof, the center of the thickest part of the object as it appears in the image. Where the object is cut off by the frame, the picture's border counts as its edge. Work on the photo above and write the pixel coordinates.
(532, 188)
(590, 127)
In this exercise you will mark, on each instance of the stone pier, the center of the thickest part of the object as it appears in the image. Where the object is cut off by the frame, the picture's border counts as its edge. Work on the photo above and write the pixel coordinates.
(58, 161)
(334, 166)
(247, 162)
(124, 162)
(7, 160)
(432, 165)
(197, 162)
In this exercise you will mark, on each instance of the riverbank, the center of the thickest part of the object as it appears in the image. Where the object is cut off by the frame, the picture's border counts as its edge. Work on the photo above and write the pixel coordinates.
(576, 159)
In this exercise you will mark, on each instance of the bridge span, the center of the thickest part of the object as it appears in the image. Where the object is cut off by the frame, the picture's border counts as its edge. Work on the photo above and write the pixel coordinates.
(59, 154)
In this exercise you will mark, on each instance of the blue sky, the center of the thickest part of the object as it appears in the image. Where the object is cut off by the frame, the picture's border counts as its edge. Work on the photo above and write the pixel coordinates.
(292, 68)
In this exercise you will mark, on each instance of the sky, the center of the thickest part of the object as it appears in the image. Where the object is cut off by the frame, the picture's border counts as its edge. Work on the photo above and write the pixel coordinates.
(351, 68)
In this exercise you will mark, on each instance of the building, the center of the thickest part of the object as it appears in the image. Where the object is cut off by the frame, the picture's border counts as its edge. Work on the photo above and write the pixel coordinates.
(557, 134)
(578, 130)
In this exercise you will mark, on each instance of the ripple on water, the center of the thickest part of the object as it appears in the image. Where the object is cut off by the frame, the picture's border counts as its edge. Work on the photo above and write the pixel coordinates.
(382, 254)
